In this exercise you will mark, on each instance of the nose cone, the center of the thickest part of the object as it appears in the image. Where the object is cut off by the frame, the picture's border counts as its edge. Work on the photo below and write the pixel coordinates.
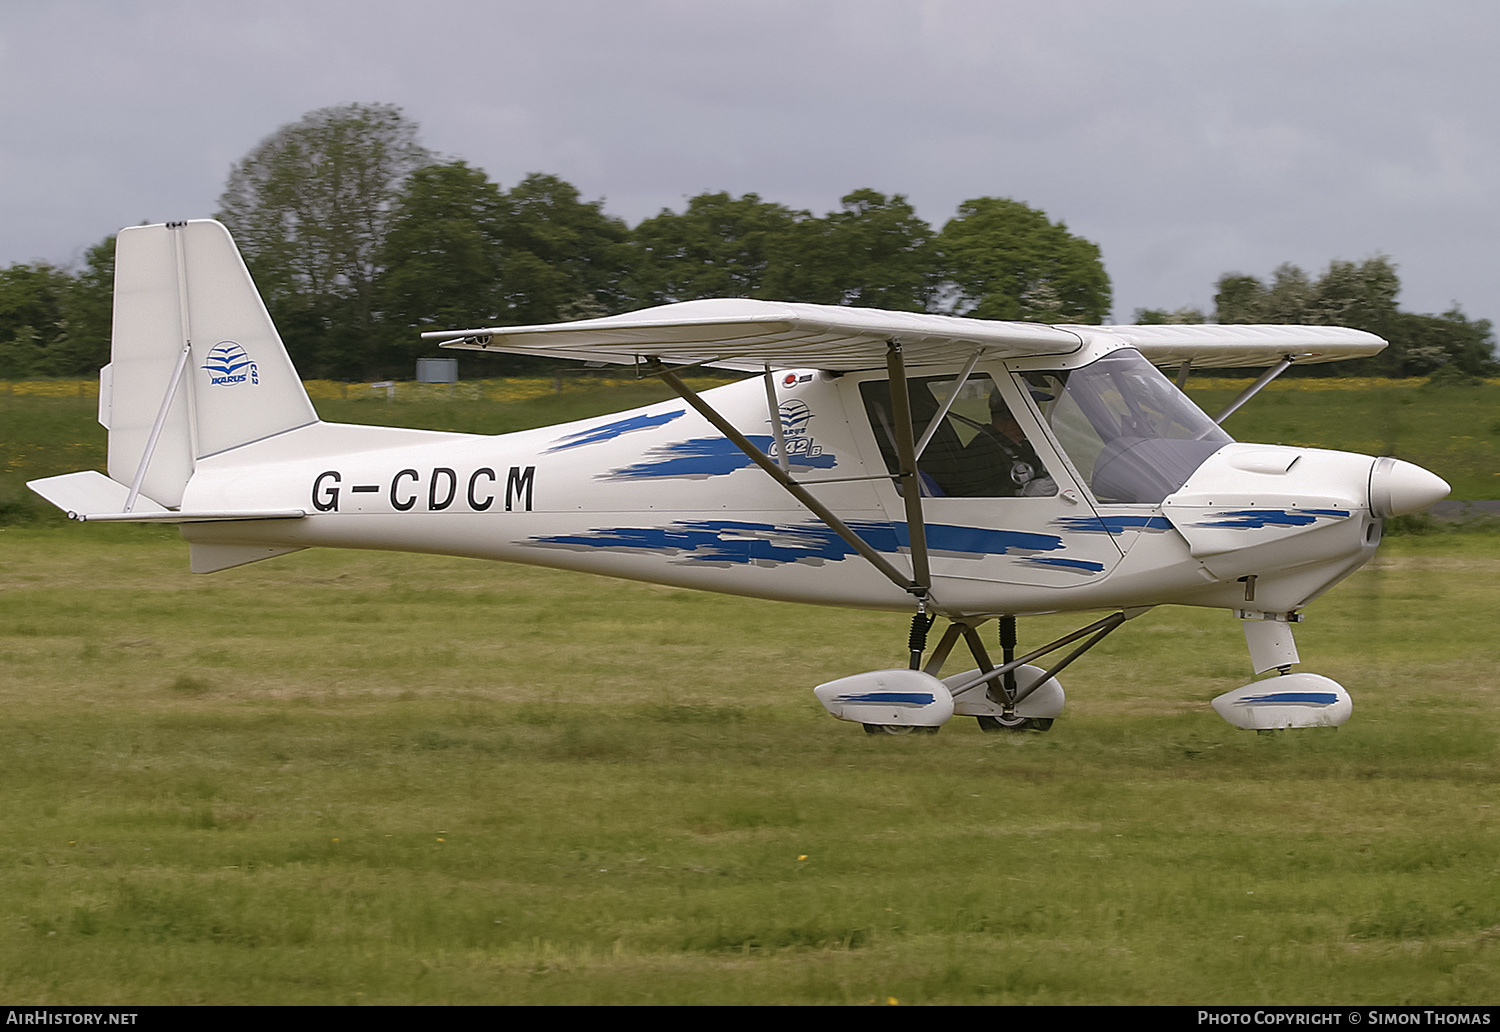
(1398, 488)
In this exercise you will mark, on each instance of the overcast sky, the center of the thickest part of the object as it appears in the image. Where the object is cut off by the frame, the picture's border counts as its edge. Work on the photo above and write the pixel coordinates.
(1186, 137)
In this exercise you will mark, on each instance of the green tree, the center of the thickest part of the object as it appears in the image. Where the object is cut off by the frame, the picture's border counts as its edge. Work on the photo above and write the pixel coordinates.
(1160, 316)
(1361, 295)
(33, 319)
(1238, 299)
(460, 253)
(873, 253)
(21, 354)
(1005, 260)
(310, 207)
(54, 322)
(88, 305)
(1292, 296)
(442, 259)
(1358, 294)
(1425, 344)
(563, 257)
(719, 246)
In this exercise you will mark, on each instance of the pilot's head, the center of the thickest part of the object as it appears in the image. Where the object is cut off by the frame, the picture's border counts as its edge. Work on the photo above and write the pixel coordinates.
(1001, 418)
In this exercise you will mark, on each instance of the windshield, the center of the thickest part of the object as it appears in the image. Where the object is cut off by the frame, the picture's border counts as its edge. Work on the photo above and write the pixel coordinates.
(1131, 434)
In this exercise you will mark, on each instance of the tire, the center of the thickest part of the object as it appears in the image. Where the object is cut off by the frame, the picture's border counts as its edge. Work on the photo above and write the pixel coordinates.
(1018, 724)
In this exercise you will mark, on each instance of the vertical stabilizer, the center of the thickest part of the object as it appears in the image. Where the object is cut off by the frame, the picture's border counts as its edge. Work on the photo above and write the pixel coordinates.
(196, 367)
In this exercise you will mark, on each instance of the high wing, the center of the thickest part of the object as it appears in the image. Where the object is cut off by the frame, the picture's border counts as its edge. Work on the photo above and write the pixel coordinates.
(739, 333)
(1212, 346)
(748, 335)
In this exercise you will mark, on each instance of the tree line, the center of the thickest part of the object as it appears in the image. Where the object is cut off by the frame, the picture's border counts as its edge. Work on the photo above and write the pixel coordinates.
(1358, 294)
(359, 238)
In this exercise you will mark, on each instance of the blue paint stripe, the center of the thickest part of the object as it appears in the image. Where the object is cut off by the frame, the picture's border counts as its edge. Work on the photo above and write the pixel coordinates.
(1082, 565)
(1316, 698)
(736, 541)
(702, 457)
(1112, 524)
(903, 698)
(1254, 519)
(609, 431)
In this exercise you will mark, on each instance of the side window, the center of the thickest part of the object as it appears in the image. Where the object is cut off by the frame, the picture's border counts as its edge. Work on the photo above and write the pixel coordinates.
(977, 450)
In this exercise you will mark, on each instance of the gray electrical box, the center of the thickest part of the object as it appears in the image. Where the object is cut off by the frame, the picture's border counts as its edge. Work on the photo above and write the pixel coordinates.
(437, 370)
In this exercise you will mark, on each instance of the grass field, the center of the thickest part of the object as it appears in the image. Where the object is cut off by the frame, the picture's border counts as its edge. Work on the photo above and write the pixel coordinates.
(347, 777)
(375, 778)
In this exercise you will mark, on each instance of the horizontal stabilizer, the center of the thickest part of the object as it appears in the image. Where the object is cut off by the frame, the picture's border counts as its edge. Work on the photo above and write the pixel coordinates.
(90, 493)
(92, 497)
(205, 516)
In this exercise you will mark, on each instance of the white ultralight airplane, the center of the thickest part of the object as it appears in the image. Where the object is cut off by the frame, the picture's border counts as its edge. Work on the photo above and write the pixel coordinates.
(957, 468)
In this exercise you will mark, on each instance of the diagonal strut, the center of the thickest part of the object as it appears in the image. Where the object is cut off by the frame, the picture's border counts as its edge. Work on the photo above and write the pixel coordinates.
(796, 490)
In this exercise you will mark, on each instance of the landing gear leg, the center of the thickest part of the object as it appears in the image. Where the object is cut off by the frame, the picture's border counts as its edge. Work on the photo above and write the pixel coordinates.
(1017, 695)
(916, 643)
(1284, 699)
(1003, 690)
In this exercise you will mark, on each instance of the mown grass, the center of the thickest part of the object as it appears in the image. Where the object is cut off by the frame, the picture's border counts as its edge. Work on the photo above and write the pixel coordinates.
(374, 778)
(356, 777)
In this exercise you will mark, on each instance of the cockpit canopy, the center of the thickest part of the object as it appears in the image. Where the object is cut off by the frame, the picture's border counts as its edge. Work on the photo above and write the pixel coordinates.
(1130, 433)
(1132, 436)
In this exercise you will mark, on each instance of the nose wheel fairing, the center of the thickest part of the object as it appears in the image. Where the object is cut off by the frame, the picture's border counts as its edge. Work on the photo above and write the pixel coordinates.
(1286, 701)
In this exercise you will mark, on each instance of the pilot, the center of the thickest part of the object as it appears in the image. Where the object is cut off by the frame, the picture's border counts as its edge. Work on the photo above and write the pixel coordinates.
(1000, 460)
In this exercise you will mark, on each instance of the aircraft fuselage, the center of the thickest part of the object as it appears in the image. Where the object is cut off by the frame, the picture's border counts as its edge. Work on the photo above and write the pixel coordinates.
(657, 494)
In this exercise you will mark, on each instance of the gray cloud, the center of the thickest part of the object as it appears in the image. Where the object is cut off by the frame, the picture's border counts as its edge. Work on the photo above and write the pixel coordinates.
(1187, 138)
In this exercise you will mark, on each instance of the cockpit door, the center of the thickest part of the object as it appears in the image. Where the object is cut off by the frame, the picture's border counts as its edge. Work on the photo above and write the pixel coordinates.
(1128, 432)
(1000, 504)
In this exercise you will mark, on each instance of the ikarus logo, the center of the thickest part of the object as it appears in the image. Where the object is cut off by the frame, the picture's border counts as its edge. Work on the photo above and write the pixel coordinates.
(799, 443)
(228, 364)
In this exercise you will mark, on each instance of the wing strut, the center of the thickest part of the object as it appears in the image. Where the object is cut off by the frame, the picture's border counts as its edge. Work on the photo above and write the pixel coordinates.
(1254, 389)
(654, 367)
(776, 428)
(911, 483)
(942, 413)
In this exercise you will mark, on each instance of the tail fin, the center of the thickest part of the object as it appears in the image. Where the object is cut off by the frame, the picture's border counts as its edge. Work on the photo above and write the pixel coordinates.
(196, 367)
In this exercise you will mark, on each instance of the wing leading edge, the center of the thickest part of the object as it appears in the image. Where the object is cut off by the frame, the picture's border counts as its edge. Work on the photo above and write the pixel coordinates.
(738, 333)
(748, 335)
(1212, 346)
